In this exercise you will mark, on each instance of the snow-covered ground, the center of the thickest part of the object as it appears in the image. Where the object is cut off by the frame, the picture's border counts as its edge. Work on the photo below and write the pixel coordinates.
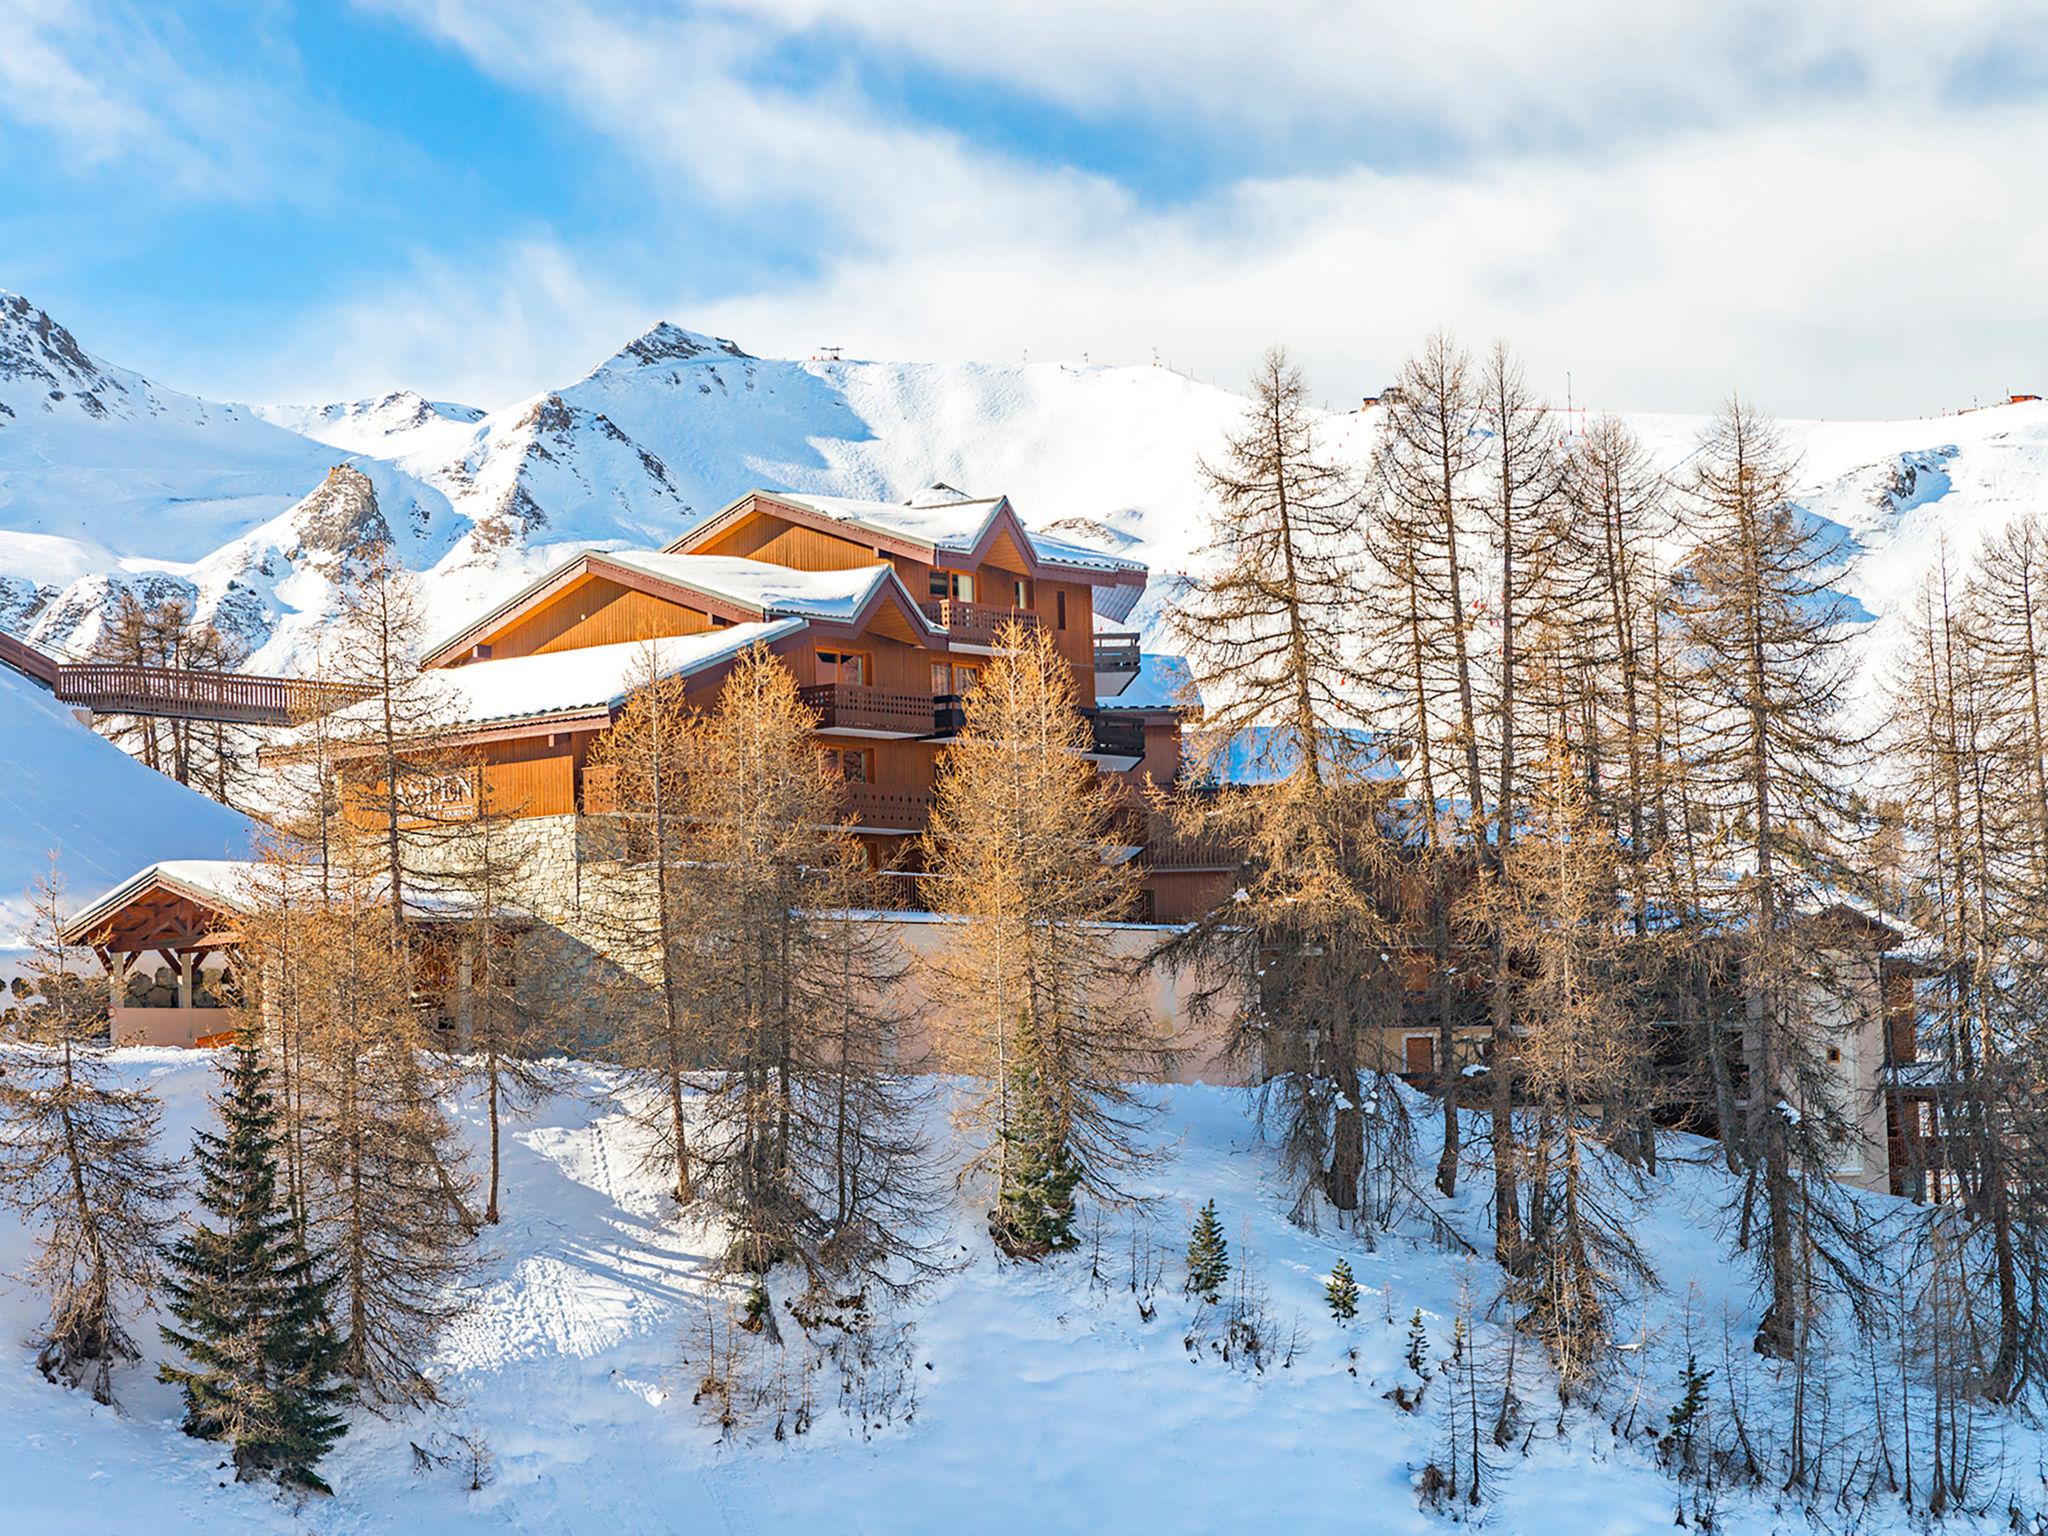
(66, 791)
(1037, 1398)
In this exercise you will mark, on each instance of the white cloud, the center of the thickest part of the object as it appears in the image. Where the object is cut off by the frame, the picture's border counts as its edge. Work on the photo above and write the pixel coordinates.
(1668, 200)
(112, 83)
(1495, 74)
(530, 317)
(1861, 252)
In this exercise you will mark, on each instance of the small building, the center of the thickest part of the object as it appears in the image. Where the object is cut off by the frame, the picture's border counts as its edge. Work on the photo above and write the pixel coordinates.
(170, 938)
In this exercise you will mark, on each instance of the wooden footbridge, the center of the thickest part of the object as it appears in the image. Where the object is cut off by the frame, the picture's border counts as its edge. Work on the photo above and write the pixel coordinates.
(177, 693)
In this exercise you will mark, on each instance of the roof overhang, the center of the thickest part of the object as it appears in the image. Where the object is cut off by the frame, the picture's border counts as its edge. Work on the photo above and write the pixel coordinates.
(149, 887)
(590, 564)
(1002, 523)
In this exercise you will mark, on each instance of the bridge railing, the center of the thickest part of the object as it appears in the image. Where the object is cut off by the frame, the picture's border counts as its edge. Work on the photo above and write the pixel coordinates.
(121, 688)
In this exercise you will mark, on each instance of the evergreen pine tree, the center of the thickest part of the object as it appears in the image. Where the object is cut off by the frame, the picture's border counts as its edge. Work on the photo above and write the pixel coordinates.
(1035, 1205)
(1341, 1292)
(1208, 1256)
(1418, 1346)
(255, 1327)
(1685, 1418)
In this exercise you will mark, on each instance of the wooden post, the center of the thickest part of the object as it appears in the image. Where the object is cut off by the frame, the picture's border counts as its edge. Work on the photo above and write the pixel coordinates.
(187, 963)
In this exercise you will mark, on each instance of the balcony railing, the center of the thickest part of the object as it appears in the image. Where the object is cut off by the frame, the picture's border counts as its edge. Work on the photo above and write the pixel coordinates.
(887, 806)
(1117, 735)
(977, 623)
(851, 707)
(1170, 846)
(867, 805)
(1116, 652)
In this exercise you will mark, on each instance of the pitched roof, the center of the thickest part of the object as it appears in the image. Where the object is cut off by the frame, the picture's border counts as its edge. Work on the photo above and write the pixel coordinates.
(559, 684)
(757, 584)
(222, 884)
(730, 587)
(942, 521)
(238, 886)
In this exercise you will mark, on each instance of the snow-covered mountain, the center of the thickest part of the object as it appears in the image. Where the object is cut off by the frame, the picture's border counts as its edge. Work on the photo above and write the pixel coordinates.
(108, 480)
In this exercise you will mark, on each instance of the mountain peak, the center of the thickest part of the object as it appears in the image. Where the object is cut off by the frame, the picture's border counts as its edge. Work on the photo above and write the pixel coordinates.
(36, 348)
(667, 343)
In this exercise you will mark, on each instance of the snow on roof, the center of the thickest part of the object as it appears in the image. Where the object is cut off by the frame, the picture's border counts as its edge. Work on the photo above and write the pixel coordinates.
(773, 589)
(236, 885)
(224, 882)
(943, 524)
(572, 682)
(592, 677)
(1163, 682)
(947, 519)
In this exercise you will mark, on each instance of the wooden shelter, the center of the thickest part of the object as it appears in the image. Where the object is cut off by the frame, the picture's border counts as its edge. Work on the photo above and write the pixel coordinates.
(170, 938)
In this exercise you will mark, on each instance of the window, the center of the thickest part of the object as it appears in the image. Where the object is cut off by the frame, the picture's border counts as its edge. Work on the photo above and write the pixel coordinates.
(952, 678)
(843, 667)
(957, 585)
(1022, 596)
(1418, 1054)
(856, 765)
(1060, 602)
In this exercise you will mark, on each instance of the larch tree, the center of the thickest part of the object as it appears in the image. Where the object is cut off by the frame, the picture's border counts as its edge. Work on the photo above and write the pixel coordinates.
(1049, 1027)
(808, 1149)
(636, 780)
(78, 1160)
(514, 1015)
(1764, 665)
(405, 793)
(1521, 514)
(1303, 953)
(1559, 910)
(1964, 751)
(380, 1153)
(1425, 461)
(1618, 505)
(164, 634)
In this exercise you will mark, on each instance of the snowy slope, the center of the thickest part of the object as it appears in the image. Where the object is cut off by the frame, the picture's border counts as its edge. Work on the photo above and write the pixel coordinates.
(1043, 1402)
(64, 789)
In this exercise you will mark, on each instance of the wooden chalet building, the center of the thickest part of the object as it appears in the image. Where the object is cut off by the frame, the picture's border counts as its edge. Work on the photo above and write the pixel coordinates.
(884, 613)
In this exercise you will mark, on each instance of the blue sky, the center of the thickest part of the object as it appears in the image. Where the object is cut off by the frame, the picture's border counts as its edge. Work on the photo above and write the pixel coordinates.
(1834, 207)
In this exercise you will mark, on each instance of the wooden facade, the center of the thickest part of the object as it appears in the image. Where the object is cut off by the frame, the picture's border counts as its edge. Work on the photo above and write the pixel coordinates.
(886, 680)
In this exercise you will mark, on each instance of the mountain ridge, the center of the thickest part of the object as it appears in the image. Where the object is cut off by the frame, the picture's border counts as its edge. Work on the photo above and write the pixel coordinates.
(153, 488)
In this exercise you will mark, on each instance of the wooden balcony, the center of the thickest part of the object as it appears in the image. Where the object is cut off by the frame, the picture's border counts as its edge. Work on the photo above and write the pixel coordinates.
(881, 808)
(887, 808)
(848, 709)
(1116, 654)
(1116, 741)
(976, 624)
(1171, 847)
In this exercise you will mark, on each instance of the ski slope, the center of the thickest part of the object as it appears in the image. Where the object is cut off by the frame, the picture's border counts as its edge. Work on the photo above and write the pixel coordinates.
(66, 791)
